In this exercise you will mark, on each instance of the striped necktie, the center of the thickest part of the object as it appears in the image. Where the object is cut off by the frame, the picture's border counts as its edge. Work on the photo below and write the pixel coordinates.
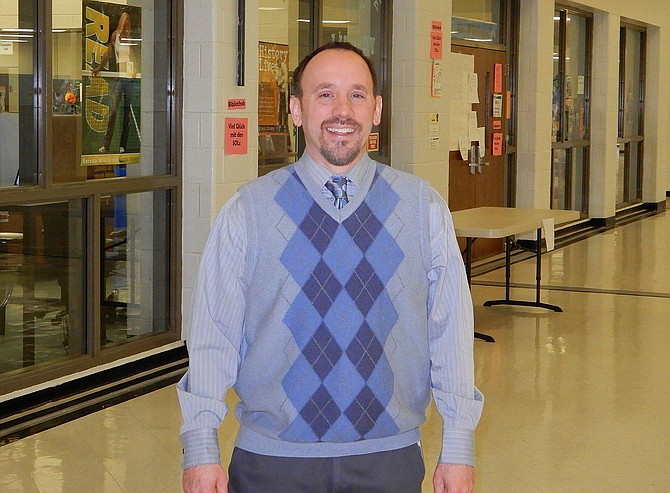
(338, 187)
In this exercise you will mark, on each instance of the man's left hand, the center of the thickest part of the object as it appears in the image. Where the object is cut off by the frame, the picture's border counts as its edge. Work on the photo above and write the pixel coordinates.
(454, 478)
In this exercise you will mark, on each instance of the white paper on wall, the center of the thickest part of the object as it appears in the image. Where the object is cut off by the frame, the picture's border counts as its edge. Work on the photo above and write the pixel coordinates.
(460, 68)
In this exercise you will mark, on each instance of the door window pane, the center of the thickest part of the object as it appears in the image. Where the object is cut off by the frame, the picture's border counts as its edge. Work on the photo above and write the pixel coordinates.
(18, 157)
(135, 262)
(632, 84)
(286, 37)
(556, 98)
(634, 171)
(577, 178)
(621, 174)
(575, 78)
(476, 21)
(110, 89)
(558, 174)
(42, 284)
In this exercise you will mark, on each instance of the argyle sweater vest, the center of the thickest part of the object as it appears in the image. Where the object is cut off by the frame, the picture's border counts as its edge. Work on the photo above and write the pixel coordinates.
(335, 357)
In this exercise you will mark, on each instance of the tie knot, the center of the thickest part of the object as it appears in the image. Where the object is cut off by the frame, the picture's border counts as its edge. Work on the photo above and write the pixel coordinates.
(338, 187)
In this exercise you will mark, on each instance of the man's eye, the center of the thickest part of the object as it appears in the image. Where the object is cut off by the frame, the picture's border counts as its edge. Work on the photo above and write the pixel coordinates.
(326, 95)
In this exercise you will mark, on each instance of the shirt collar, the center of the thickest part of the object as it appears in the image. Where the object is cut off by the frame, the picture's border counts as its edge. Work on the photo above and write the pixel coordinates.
(320, 174)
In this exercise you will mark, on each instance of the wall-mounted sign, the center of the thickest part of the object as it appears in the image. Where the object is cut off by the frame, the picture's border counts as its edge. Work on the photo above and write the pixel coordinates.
(6, 48)
(434, 130)
(373, 142)
(273, 90)
(237, 135)
(498, 77)
(436, 79)
(436, 39)
(237, 104)
(496, 147)
(497, 105)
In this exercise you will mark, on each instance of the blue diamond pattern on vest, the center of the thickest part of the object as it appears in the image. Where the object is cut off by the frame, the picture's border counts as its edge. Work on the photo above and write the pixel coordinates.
(341, 382)
(320, 412)
(365, 351)
(363, 226)
(300, 257)
(364, 286)
(384, 256)
(292, 199)
(364, 411)
(322, 288)
(388, 199)
(319, 227)
(322, 352)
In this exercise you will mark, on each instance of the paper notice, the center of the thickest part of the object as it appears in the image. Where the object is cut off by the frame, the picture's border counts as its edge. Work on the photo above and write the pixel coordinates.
(473, 132)
(436, 86)
(481, 137)
(473, 84)
(464, 147)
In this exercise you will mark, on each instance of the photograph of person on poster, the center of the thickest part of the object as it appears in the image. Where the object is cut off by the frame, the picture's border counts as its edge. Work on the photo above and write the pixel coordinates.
(124, 84)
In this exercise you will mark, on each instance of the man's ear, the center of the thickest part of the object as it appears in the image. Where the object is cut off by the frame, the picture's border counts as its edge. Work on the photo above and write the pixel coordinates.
(377, 116)
(296, 111)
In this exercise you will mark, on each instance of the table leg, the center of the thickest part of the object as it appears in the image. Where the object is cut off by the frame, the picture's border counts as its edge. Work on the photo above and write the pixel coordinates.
(468, 272)
(538, 277)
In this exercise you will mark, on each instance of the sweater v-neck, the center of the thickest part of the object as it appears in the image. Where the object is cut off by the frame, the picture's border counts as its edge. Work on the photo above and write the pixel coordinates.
(365, 175)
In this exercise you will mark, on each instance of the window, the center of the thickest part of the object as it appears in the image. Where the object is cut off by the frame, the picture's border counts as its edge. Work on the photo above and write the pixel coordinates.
(570, 110)
(89, 184)
(290, 30)
(477, 21)
(631, 115)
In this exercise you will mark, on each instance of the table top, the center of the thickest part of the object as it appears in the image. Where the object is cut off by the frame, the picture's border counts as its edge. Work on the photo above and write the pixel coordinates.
(500, 222)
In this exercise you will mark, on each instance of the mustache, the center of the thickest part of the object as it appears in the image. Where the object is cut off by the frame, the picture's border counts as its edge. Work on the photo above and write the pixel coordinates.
(350, 122)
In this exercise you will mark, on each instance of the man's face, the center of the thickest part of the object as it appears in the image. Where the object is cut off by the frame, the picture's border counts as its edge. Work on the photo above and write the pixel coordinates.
(337, 109)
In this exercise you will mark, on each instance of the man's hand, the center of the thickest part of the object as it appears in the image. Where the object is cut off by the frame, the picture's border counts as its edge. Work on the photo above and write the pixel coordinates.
(209, 478)
(454, 478)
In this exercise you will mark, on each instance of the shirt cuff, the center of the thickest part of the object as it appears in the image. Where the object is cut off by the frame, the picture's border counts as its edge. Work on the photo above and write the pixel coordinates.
(458, 447)
(200, 447)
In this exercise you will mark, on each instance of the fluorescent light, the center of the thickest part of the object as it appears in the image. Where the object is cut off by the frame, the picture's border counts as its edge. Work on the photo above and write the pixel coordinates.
(327, 22)
(16, 35)
(271, 9)
(483, 40)
(17, 30)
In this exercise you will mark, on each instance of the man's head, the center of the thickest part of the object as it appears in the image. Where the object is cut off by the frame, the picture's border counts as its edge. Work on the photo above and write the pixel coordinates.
(334, 100)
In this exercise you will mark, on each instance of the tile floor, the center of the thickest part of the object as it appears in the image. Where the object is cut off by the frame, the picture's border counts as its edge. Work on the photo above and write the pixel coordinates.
(576, 401)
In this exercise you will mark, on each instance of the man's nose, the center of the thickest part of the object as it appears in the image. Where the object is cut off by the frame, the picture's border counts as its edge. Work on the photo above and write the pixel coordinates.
(343, 107)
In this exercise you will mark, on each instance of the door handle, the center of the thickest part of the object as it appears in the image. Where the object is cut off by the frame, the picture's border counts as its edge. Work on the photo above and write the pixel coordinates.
(476, 165)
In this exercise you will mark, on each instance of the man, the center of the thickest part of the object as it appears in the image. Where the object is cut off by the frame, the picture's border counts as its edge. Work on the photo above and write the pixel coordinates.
(124, 83)
(333, 297)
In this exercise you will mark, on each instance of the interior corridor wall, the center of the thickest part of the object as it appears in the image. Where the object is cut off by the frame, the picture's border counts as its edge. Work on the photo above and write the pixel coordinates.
(534, 91)
(210, 53)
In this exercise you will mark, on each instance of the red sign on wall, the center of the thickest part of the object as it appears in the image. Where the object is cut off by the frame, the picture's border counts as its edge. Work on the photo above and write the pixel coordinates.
(237, 135)
(436, 39)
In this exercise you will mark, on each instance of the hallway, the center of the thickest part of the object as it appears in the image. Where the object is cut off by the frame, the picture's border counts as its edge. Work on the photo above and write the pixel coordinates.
(575, 402)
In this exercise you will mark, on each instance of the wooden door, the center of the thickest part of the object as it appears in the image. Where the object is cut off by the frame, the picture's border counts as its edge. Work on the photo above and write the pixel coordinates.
(485, 188)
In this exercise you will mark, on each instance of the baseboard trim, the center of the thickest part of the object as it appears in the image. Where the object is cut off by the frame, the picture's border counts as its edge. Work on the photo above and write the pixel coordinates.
(39, 411)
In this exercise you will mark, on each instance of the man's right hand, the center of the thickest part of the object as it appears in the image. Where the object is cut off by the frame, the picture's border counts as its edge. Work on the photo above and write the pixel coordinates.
(209, 478)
